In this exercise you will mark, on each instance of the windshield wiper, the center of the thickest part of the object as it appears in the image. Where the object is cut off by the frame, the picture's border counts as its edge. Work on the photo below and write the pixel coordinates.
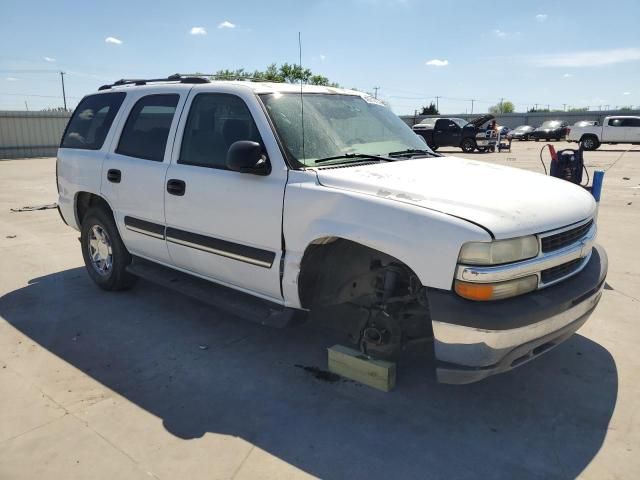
(354, 155)
(411, 152)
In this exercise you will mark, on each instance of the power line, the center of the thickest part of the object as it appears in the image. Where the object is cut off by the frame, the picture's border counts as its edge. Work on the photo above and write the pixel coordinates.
(35, 95)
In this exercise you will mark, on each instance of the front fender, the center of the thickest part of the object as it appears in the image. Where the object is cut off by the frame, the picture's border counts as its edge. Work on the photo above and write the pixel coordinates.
(428, 242)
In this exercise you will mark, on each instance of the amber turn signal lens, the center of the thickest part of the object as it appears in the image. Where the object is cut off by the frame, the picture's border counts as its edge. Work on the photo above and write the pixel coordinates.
(475, 291)
(496, 291)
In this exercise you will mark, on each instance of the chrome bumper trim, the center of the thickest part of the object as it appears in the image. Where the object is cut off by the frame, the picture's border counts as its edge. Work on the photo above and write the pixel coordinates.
(543, 261)
(475, 347)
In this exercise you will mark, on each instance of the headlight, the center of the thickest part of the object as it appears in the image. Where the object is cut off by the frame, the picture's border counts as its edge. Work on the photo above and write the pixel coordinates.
(496, 291)
(499, 251)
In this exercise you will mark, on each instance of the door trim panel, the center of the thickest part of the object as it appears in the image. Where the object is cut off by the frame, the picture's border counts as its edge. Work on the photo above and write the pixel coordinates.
(145, 228)
(224, 248)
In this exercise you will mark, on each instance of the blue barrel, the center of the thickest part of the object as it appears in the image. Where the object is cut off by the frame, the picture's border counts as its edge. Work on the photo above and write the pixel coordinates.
(596, 189)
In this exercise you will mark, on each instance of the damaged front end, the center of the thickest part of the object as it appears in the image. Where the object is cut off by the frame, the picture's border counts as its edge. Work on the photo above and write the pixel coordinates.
(372, 298)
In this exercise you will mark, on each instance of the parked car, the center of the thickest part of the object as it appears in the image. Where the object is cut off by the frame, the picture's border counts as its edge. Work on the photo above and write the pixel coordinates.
(503, 130)
(425, 124)
(455, 132)
(550, 130)
(522, 132)
(618, 129)
(586, 123)
(356, 222)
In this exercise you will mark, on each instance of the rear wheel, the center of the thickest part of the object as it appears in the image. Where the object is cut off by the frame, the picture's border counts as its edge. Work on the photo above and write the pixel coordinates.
(105, 256)
(468, 145)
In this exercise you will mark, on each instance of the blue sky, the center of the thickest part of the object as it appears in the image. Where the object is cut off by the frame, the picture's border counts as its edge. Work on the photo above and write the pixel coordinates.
(579, 53)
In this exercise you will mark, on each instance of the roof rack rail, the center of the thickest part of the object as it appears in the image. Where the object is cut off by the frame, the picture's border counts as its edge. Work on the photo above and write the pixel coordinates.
(141, 81)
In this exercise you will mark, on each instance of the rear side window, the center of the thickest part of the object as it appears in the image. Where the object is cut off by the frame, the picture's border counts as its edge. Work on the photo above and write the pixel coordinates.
(147, 128)
(92, 120)
(631, 122)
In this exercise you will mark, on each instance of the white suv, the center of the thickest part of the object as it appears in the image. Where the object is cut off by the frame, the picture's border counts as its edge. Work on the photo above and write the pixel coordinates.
(321, 200)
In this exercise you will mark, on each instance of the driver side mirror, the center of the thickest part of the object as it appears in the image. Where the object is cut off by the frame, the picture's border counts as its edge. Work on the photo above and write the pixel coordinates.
(245, 156)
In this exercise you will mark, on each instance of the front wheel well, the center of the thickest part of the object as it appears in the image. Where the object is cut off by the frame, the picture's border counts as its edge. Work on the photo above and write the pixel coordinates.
(86, 201)
(373, 297)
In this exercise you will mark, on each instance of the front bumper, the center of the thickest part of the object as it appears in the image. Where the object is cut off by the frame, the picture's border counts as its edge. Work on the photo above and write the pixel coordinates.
(474, 340)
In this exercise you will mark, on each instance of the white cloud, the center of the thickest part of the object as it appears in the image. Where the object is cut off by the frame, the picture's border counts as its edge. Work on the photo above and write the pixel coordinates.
(323, 57)
(198, 31)
(227, 24)
(113, 40)
(586, 58)
(542, 17)
(49, 59)
(626, 93)
(11, 79)
(567, 75)
(437, 63)
(499, 33)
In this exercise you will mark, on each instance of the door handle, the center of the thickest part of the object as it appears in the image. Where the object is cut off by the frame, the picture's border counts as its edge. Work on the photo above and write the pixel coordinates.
(176, 187)
(114, 176)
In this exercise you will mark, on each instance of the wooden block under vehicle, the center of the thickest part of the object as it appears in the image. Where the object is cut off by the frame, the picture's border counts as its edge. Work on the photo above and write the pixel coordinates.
(357, 366)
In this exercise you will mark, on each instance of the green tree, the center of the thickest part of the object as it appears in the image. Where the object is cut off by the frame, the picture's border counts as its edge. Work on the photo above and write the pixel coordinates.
(286, 72)
(430, 110)
(503, 107)
(578, 109)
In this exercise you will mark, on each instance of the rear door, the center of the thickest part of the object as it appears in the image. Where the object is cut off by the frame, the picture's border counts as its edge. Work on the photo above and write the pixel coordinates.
(221, 224)
(133, 176)
(632, 129)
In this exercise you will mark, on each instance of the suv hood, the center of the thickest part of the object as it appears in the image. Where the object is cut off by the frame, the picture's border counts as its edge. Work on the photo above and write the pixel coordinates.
(509, 202)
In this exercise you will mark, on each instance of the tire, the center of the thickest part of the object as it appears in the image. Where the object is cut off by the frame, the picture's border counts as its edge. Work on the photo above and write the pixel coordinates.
(590, 142)
(468, 145)
(105, 256)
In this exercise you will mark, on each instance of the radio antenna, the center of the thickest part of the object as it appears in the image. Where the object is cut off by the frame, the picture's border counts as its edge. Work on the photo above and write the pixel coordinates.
(301, 95)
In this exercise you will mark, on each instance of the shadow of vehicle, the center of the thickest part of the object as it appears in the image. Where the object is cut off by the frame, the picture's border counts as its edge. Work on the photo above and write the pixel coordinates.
(547, 419)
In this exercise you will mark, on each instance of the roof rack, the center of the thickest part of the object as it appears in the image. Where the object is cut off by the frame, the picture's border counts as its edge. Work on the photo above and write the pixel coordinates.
(171, 78)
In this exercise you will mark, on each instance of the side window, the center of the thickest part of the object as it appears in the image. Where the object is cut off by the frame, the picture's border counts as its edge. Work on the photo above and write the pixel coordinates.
(147, 128)
(615, 122)
(92, 120)
(442, 124)
(631, 122)
(215, 121)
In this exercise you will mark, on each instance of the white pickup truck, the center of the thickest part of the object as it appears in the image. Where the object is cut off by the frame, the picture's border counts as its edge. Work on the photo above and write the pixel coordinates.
(321, 201)
(618, 129)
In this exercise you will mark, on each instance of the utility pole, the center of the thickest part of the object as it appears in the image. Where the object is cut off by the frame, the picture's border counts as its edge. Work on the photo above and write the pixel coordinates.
(437, 105)
(472, 100)
(26, 105)
(548, 107)
(376, 90)
(64, 95)
(501, 102)
(564, 107)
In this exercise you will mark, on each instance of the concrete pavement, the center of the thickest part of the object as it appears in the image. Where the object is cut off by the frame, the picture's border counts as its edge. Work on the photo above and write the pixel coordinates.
(147, 383)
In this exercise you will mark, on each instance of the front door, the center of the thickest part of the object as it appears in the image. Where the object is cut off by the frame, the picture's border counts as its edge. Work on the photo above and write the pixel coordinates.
(221, 224)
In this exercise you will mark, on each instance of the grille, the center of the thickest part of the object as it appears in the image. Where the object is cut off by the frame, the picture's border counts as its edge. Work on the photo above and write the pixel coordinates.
(559, 240)
(559, 271)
